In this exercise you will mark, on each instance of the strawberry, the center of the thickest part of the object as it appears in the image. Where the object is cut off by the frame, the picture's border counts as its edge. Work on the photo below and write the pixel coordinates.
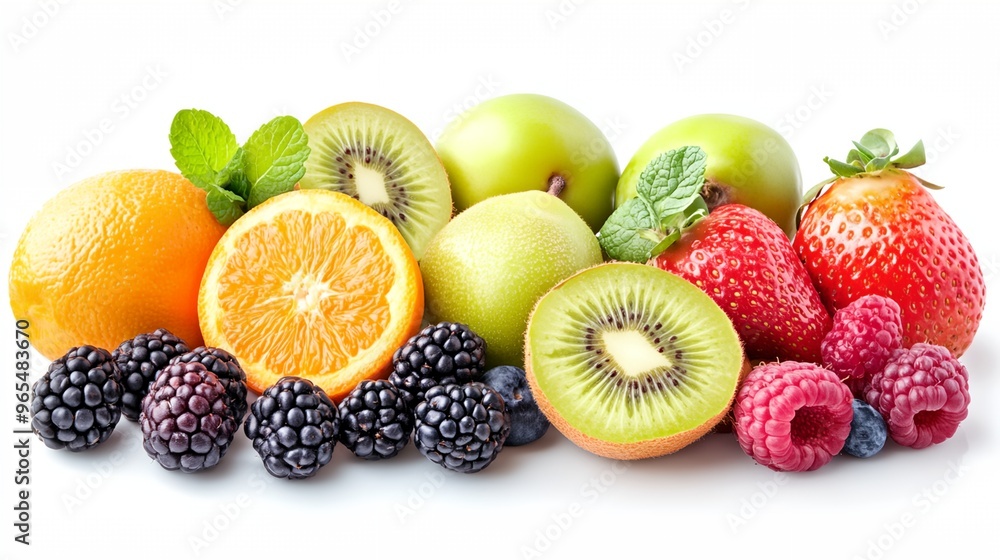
(875, 229)
(745, 262)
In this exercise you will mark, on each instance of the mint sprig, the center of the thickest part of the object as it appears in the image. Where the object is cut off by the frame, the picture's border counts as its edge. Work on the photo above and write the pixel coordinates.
(238, 178)
(668, 199)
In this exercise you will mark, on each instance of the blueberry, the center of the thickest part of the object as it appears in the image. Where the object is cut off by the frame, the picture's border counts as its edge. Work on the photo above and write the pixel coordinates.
(527, 421)
(868, 431)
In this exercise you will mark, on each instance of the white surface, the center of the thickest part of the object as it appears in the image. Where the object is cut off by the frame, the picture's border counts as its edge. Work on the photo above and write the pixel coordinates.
(925, 70)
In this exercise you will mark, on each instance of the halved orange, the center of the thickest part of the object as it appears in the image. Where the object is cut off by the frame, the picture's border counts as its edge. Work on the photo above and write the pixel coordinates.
(313, 284)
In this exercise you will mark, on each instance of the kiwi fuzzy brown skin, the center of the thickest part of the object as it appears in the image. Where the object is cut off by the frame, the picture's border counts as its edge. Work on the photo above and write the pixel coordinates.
(643, 449)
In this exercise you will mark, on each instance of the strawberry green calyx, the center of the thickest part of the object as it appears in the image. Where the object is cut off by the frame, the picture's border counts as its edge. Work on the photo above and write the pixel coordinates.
(873, 155)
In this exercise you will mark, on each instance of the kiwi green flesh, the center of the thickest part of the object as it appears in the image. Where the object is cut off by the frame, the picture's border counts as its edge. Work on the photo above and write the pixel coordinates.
(627, 352)
(383, 160)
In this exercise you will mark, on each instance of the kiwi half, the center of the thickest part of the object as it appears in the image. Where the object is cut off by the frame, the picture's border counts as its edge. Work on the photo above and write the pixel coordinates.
(380, 158)
(629, 361)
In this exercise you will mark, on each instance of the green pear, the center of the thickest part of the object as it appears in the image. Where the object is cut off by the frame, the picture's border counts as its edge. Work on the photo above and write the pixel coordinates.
(526, 142)
(491, 263)
(749, 163)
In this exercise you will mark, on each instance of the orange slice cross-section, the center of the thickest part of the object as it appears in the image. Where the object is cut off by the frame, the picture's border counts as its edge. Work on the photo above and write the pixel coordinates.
(313, 284)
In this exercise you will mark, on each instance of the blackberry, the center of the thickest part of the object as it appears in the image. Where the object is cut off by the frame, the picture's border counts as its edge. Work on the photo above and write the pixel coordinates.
(139, 359)
(438, 355)
(76, 404)
(461, 427)
(375, 421)
(294, 427)
(227, 368)
(186, 421)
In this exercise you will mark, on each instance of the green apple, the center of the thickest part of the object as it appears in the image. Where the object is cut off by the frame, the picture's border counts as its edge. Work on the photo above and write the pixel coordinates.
(748, 163)
(489, 265)
(526, 142)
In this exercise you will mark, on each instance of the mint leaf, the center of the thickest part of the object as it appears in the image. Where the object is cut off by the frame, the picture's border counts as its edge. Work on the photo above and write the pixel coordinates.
(234, 178)
(202, 145)
(274, 158)
(665, 243)
(630, 233)
(235, 165)
(673, 180)
(668, 199)
(226, 206)
(693, 213)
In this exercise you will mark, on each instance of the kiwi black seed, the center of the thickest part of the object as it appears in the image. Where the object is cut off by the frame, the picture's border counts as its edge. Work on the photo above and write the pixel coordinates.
(378, 157)
(629, 361)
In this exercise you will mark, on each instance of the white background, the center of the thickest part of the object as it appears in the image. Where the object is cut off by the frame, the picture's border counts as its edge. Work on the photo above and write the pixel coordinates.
(821, 73)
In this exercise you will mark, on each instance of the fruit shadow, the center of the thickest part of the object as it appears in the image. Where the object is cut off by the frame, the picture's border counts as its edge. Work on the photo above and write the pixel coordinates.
(513, 460)
(713, 454)
(981, 356)
(125, 439)
(343, 460)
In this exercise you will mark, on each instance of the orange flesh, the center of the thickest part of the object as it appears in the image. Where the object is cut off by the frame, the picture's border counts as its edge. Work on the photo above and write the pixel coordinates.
(313, 284)
(287, 298)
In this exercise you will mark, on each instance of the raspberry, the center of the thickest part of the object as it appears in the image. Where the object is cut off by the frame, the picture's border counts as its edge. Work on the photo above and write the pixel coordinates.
(792, 416)
(923, 394)
(864, 335)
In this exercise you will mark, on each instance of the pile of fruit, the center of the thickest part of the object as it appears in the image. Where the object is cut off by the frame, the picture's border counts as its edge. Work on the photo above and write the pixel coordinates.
(372, 289)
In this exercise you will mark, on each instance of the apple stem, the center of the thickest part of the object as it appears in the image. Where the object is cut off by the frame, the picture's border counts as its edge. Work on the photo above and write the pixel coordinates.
(556, 185)
(715, 194)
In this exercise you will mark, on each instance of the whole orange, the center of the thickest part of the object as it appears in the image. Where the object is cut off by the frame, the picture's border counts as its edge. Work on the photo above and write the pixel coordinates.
(111, 257)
